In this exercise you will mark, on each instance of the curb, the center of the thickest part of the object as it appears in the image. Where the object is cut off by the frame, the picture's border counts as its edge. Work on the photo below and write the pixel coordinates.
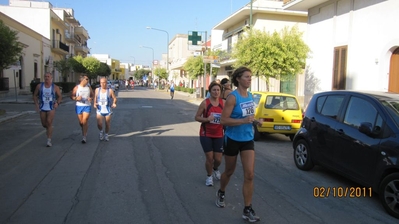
(12, 117)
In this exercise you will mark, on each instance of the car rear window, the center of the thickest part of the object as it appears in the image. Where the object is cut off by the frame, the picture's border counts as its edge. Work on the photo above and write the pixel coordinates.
(281, 102)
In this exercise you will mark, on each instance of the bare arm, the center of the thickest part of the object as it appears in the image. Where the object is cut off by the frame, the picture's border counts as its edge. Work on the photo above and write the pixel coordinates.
(73, 93)
(95, 103)
(114, 98)
(198, 116)
(59, 96)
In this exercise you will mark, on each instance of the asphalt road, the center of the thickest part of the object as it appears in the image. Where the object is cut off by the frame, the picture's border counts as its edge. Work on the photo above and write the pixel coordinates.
(152, 171)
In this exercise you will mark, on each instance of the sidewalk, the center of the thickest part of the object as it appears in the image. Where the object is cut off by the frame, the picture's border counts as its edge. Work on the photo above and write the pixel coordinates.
(6, 115)
(27, 99)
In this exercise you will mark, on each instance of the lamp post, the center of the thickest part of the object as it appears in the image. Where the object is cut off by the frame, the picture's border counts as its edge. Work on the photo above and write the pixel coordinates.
(152, 63)
(167, 46)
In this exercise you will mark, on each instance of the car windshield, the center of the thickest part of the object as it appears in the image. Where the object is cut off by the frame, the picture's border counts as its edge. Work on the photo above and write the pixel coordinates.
(256, 97)
(393, 109)
(281, 102)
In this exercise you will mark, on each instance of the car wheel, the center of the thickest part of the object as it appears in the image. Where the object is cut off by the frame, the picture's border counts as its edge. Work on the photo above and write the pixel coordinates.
(291, 137)
(256, 133)
(389, 194)
(302, 156)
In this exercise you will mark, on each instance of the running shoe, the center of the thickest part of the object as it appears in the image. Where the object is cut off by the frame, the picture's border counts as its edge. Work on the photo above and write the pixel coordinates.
(84, 140)
(101, 135)
(216, 174)
(220, 199)
(106, 138)
(49, 143)
(249, 214)
(209, 181)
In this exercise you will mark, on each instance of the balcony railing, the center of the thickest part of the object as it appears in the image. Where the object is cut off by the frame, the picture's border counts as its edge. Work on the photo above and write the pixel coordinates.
(60, 46)
(82, 48)
(70, 37)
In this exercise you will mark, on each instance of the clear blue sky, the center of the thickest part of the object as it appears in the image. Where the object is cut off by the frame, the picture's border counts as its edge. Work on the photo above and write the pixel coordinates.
(118, 27)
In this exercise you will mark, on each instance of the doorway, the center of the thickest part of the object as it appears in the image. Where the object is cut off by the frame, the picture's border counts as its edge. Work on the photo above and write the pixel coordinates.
(393, 84)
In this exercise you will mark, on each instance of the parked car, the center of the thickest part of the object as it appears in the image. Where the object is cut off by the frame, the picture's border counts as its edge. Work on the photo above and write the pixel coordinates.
(111, 85)
(280, 112)
(355, 134)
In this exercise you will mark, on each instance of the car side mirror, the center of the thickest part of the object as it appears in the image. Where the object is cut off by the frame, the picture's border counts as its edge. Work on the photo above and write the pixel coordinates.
(366, 128)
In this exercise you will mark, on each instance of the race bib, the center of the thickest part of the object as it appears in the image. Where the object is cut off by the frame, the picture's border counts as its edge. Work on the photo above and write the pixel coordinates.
(47, 97)
(247, 108)
(216, 118)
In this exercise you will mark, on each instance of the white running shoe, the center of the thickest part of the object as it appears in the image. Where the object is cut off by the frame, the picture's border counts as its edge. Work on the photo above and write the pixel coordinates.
(106, 138)
(49, 143)
(101, 135)
(209, 181)
(84, 140)
(216, 174)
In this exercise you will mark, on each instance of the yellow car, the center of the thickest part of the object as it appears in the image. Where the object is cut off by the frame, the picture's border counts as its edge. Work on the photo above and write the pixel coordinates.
(280, 113)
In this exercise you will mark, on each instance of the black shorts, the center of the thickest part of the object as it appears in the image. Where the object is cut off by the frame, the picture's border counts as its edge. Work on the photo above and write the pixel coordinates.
(211, 144)
(232, 147)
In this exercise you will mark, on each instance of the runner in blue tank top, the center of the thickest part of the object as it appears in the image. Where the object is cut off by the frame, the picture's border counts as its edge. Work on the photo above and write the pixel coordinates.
(103, 104)
(47, 97)
(238, 117)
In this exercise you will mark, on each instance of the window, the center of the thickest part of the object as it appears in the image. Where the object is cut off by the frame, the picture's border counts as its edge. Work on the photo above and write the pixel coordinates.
(330, 106)
(355, 114)
(256, 98)
(339, 70)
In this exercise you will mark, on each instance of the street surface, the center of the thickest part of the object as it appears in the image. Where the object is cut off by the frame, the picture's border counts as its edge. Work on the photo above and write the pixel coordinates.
(152, 171)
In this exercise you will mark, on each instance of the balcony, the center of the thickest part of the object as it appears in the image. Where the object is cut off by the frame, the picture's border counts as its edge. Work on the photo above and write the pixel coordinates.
(70, 37)
(59, 47)
(81, 31)
(82, 48)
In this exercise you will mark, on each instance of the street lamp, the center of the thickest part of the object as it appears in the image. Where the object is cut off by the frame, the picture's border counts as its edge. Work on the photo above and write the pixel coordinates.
(167, 46)
(152, 66)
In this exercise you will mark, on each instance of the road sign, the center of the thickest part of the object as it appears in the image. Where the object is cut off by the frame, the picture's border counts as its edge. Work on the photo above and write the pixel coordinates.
(211, 59)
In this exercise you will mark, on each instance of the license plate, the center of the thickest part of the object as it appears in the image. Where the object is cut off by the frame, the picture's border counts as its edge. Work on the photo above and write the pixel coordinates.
(282, 127)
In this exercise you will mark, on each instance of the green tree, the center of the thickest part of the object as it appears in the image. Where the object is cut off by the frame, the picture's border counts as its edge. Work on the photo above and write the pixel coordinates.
(278, 55)
(92, 66)
(104, 70)
(161, 73)
(194, 66)
(77, 64)
(10, 48)
(64, 67)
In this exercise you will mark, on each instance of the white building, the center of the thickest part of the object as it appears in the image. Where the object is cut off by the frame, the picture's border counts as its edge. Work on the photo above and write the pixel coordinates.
(31, 64)
(354, 44)
(66, 35)
(268, 16)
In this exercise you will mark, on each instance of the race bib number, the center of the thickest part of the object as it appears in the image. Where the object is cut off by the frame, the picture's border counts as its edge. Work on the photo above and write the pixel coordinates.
(47, 97)
(247, 108)
(103, 102)
(216, 118)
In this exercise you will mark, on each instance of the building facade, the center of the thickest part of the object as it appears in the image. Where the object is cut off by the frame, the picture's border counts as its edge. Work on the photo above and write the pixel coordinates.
(57, 25)
(268, 16)
(17, 79)
(354, 44)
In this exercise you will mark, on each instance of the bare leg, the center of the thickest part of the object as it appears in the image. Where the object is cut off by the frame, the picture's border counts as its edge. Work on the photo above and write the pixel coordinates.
(85, 123)
(107, 123)
(248, 164)
(99, 122)
(230, 166)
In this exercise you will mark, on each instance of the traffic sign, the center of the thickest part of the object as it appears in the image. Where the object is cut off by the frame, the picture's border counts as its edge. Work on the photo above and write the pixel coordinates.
(211, 59)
